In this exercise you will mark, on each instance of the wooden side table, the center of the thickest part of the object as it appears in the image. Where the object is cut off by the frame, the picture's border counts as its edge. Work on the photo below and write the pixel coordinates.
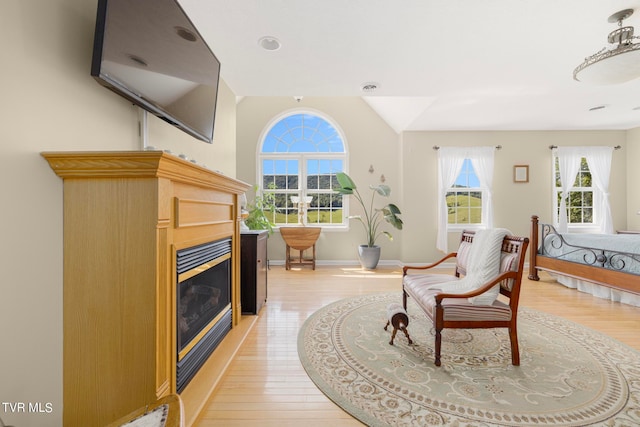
(300, 239)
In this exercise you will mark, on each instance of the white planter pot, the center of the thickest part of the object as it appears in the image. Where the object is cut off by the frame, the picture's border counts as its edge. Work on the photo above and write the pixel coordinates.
(369, 256)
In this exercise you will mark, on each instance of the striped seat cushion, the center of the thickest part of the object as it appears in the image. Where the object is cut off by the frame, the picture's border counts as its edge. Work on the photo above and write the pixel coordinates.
(417, 281)
(460, 309)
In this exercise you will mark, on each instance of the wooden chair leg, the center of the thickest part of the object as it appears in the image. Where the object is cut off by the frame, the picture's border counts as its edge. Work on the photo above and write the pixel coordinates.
(287, 263)
(314, 256)
(404, 300)
(515, 351)
(438, 346)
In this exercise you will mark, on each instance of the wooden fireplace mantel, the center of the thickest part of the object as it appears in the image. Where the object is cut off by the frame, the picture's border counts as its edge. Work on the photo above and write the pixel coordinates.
(126, 214)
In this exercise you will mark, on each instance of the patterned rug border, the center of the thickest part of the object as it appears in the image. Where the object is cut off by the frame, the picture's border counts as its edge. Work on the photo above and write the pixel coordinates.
(497, 418)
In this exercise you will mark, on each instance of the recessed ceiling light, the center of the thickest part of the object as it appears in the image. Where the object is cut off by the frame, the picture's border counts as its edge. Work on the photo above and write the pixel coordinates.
(599, 107)
(269, 43)
(186, 34)
(636, 108)
(369, 87)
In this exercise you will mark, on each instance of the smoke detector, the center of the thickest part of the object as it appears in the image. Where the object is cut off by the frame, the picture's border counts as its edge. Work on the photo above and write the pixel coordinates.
(369, 87)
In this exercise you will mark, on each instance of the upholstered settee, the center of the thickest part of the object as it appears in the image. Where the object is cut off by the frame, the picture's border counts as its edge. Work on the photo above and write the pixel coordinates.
(447, 309)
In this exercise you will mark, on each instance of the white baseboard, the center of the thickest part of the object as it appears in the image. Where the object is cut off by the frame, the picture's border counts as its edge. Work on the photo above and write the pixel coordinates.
(351, 263)
(382, 263)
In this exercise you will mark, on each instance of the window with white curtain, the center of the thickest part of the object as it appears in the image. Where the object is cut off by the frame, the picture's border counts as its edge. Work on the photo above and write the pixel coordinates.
(465, 181)
(581, 188)
(579, 202)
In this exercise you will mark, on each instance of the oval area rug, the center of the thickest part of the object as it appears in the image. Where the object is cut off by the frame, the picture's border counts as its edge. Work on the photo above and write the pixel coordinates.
(568, 374)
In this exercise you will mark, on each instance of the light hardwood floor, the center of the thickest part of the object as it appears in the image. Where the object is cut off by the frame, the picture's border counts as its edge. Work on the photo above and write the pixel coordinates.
(266, 385)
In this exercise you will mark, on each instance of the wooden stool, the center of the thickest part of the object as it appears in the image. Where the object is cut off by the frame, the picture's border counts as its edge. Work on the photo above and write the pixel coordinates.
(398, 319)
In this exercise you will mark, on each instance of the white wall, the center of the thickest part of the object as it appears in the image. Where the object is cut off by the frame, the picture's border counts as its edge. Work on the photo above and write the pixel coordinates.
(411, 164)
(514, 203)
(370, 141)
(51, 103)
(633, 179)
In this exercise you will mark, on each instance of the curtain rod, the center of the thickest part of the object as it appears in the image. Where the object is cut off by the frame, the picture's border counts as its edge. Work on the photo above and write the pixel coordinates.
(498, 147)
(617, 147)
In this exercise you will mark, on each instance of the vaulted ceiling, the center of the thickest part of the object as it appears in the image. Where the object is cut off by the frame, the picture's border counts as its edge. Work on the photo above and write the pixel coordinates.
(437, 64)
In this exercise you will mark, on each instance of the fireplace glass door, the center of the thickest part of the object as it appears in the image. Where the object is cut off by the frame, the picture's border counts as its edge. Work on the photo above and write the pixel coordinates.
(203, 304)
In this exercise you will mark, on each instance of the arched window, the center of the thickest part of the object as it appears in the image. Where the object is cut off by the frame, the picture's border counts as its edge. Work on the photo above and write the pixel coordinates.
(299, 157)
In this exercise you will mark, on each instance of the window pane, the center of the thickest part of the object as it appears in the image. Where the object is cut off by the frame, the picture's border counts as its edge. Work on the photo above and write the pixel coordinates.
(325, 166)
(467, 177)
(588, 198)
(292, 182)
(280, 174)
(464, 207)
(268, 167)
(269, 144)
(475, 215)
(326, 208)
(293, 121)
(575, 215)
(303, 147)
(587, 215)
(268, 181)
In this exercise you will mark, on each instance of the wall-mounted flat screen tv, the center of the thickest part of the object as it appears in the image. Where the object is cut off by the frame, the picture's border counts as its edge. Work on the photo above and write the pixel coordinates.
(149, 52)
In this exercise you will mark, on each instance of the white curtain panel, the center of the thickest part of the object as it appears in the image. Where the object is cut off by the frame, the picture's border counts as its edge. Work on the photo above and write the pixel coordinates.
(599, 161)
(482, 161)
(569, 165)
(450, 160)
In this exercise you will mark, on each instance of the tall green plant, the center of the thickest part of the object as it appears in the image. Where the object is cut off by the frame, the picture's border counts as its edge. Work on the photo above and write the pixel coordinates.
(373, 216)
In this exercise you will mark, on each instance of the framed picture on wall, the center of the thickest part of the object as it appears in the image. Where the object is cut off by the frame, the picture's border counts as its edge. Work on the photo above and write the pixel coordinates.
(521, 173)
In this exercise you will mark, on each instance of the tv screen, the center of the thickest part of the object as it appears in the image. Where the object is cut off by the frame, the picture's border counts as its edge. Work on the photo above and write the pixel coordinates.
(149, 52)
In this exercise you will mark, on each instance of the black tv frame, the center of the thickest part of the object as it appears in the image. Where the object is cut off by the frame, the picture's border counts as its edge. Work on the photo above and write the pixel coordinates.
(129, 93)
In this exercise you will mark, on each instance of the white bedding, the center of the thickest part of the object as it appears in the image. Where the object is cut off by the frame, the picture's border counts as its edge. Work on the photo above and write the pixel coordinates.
(599, 291)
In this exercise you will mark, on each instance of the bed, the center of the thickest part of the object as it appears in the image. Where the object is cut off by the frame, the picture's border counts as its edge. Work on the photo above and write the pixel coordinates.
(604, 265)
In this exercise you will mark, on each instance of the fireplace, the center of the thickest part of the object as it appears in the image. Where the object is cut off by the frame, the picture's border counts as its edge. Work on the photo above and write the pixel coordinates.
(203, 305)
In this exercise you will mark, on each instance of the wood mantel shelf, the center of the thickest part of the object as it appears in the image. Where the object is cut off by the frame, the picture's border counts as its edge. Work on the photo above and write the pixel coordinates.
(139, 164)
(126, 213)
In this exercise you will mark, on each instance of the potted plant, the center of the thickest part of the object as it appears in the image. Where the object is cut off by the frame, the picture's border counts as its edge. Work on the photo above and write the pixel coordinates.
(369, 253)
(257, 218)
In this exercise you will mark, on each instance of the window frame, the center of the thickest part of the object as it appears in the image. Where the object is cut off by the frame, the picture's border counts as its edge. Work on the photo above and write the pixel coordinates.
(302, 158)
(468, 226)
(586, 227)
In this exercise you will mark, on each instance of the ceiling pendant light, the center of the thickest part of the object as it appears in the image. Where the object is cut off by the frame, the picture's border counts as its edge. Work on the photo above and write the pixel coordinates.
(617, 64)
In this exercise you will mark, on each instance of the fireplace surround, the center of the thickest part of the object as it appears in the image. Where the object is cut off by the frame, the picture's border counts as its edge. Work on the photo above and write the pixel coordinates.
(127, 215)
